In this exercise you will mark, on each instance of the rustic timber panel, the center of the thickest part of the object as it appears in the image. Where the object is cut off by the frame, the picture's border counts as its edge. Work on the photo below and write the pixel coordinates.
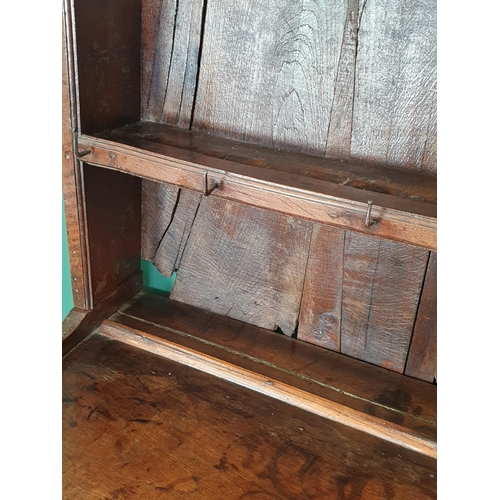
(245, 263)
(171, 249)
(108, 36)
(422, 358)
(268, 71)
(113, 205)
(394, 104)
(159, 201)
(320, 310)
(382, 283)
(170, 71)
(336, 78)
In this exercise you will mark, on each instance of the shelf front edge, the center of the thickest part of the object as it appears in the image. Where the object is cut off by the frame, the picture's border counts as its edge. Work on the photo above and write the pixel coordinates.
(346, 207)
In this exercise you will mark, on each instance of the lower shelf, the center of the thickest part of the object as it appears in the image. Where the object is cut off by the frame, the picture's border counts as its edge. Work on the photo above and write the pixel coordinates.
(137, 424)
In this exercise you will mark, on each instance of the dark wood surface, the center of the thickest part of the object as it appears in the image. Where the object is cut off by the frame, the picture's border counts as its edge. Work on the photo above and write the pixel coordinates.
(113, 208)
(422, 357)
(245, 263)
(72, 177)
(108, 41)
(382, 283)
(136, 425)
(380, 392)
(79, 323)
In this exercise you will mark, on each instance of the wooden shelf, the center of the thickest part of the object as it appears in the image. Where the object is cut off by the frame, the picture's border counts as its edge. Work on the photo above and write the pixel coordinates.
(324, 190)
(153, 404)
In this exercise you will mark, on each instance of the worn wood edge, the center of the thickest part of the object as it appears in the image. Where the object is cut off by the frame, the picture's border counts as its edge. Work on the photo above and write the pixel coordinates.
(79, 324)
(346, 212)
(72, 179)
(329, 391)
(270, 387)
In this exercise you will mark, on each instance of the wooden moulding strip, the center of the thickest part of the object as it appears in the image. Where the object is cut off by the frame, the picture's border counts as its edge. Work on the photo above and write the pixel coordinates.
(270, 387)
(387, 222)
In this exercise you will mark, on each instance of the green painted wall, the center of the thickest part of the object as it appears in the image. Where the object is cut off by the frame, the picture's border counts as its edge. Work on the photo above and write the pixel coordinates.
(152, 279)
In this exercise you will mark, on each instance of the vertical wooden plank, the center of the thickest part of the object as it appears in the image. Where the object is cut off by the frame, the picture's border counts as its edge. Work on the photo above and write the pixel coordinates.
(245, 263)
(382, 283)
(71, 183)
(395, 83)
(422, 357)
(268, 70)
(171, 248)
(170, 75)
(113, 203)
(160, 65)
(150, 24)
(158, 205)
(182, 78)
(320, 310)
(339, 130)
(108, 36)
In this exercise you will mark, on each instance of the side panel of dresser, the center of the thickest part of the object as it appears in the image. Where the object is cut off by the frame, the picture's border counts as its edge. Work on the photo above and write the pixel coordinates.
(103, 208)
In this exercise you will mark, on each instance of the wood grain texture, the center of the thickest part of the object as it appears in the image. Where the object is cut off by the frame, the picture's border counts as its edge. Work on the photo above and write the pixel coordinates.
(422, 357)
(245, 263)
(108, 38)
(136, 425)
(364, 176)
(113, 206)
(151, 11)
(80, 324)
(377, 391)
(158, 205)
(321, 307)
(268, 71)
(300, 196)
(271, 387)
(394, 105)
(382, 283)
(338, 143)
(171, 248)
(71, 177)
(170, 73)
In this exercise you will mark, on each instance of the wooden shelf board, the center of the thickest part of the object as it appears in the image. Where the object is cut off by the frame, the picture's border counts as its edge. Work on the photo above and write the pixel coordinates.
(303, 186)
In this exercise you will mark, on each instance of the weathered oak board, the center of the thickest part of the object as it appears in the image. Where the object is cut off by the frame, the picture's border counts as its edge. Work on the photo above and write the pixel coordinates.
(283, 274)
(171, 249)
(245, 263)
(158, 204)
(183, 433)
(336, 78)
(382, 282)
(394, 105)
(371, 389)
(170, 71)
(321, 307)
(422, 357)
